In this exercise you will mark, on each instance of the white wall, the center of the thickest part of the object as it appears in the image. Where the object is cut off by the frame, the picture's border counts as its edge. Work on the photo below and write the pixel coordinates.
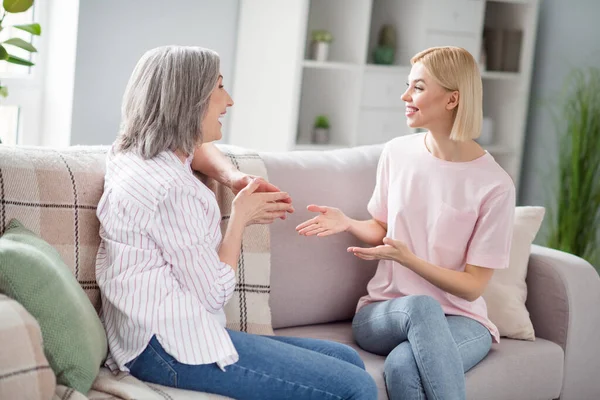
(113, 34)
(60, 37)
(568, 36)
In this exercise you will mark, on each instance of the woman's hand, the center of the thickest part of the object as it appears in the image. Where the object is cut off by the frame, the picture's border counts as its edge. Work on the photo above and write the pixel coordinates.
(394, 250)
(329, 221)
(240, 180)
(253, 207)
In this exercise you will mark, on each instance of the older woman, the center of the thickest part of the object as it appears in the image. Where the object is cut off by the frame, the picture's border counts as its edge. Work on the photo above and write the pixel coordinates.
(164, 269)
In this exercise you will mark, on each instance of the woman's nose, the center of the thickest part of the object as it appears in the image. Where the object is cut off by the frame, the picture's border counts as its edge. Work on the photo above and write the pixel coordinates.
(405, 96)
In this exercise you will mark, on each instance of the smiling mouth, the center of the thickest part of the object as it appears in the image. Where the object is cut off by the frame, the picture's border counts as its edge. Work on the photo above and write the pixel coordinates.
(411, 110)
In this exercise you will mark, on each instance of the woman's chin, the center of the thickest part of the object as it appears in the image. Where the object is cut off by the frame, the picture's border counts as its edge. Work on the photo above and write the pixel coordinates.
(412, 124)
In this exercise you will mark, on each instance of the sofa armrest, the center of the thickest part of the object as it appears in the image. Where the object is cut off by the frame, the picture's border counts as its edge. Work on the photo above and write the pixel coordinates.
(563, 300)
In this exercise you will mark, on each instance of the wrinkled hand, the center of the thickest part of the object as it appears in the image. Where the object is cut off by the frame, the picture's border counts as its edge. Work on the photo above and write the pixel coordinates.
(394, 250)
(329, 221)
(241, 180)
(260, 208)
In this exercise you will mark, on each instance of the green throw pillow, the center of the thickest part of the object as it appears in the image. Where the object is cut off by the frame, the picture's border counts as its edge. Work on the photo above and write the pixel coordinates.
(33, 273)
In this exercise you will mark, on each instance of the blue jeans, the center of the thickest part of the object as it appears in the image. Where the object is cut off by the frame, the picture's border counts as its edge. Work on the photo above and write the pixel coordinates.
(270, 367)
(427, 352)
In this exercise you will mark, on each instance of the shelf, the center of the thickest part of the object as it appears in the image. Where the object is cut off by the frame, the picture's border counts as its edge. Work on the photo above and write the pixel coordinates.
(500, 75)
(330, 65)
(318, 147)
(510, 1)
(388, 68)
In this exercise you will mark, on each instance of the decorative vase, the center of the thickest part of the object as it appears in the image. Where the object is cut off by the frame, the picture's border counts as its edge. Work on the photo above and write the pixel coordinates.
(384, 55)
(320, 136)
(320, 51)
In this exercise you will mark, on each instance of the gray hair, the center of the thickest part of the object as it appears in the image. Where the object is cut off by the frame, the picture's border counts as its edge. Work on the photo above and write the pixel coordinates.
(166, 100)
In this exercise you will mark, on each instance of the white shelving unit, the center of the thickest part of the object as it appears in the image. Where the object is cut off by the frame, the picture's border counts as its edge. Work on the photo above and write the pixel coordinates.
(279, 90)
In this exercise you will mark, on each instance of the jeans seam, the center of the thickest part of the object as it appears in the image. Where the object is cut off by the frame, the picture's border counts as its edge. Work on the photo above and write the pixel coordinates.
(165, 362)
(471, 340)
(426, 376)
(286, 381)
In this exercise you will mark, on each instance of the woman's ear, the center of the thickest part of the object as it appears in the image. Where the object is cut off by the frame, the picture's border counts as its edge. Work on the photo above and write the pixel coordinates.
(452, 100)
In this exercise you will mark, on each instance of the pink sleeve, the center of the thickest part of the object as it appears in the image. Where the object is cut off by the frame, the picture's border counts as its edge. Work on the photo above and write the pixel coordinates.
(491, 240)
(378, 205)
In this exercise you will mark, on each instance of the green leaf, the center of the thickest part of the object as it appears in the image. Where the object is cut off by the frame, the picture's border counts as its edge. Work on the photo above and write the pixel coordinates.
(34, 29)
(17, 6)
(3, 91)
(22, 44)
(3, 53)
(19, 61)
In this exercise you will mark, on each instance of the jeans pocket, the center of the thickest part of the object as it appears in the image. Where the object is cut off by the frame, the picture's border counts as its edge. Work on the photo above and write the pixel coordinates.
(151, 367)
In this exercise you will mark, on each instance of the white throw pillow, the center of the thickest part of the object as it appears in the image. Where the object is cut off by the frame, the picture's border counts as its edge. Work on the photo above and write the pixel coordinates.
(506, 292)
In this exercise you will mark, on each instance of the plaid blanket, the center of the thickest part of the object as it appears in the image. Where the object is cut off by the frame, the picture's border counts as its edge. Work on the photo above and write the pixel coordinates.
(55, 192)
(248, 310)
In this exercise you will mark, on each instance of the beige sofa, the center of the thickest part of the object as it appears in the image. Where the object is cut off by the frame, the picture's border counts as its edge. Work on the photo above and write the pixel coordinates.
(315, 283)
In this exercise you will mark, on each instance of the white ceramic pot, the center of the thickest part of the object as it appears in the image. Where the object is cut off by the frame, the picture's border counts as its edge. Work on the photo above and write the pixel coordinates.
(320, 136)
(320, 51)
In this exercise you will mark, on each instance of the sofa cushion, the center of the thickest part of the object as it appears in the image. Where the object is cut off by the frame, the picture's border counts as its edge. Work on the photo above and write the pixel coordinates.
(313, 276)
(33, 273)
(24, 369)
(514, 369)
(55, 193)
(506, 292)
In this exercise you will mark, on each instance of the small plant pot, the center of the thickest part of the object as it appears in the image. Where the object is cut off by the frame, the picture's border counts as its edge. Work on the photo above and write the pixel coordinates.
(320, 51)
(320, 136)
(384, 55)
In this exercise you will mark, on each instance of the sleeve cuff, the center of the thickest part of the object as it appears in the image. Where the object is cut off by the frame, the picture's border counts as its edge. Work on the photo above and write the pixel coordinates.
(488, 262)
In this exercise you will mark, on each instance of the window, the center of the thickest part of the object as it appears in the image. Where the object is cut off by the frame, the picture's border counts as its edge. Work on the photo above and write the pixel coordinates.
(21, 110)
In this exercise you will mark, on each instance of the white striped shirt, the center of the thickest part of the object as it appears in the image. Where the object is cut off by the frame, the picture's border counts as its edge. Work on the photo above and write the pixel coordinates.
(157, 266)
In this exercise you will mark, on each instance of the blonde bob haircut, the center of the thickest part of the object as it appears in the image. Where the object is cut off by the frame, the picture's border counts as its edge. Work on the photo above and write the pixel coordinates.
(166, 100)
(455, 69)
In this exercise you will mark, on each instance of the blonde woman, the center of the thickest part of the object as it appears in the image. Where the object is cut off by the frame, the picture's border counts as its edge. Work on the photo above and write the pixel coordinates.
(442, 222)
(165, 271)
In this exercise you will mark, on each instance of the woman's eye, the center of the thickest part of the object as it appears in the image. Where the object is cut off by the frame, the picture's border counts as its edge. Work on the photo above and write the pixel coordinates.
(418, 88)
(221, 86)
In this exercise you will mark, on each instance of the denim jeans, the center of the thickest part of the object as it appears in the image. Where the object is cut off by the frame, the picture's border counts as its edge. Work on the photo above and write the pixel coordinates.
(427, 352)
(270, 367)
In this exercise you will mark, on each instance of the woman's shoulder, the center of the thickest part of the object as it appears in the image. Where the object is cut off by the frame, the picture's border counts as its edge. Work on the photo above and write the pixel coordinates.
(402, 147)
(140, 180)
(405, 142)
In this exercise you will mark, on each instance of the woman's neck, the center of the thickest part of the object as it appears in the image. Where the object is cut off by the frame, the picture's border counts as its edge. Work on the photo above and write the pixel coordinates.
(441, 146)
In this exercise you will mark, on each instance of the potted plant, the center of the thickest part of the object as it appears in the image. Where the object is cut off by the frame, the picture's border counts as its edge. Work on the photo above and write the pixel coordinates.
(385, 52)
(320, 44)
(320, 134)
(574, 205)
(13, 7)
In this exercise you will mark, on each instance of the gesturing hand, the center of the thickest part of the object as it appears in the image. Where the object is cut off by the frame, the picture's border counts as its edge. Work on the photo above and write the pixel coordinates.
(329, 221)
(260, 208)
(390, 250)
(240, 180)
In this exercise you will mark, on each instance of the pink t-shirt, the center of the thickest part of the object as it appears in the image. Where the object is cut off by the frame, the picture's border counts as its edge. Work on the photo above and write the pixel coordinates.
(448, 213)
